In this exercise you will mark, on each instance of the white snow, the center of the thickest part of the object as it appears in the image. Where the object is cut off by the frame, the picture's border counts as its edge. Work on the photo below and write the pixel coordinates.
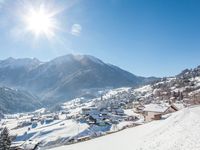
(179, 105)
(41, 110)
(155, 108)
(144, 91)
(145, 88)
(114, 92)
(178, 132)
(46, 133)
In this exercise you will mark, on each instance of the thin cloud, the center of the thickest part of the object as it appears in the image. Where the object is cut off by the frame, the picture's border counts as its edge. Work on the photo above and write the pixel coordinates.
(76, 29)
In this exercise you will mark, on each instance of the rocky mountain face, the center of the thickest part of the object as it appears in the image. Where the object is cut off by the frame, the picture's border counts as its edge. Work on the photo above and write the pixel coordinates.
(12, 101)
(64, 77)
(184, 87)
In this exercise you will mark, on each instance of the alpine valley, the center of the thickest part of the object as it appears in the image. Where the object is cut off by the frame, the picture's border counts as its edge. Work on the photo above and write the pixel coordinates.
(59, 80)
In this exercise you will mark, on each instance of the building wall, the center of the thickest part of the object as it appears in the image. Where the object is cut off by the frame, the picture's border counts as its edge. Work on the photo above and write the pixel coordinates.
(149, 116)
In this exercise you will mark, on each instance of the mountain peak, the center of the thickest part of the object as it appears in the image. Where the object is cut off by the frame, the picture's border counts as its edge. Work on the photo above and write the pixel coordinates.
(20, 62)
(77, 58)
(94, 59)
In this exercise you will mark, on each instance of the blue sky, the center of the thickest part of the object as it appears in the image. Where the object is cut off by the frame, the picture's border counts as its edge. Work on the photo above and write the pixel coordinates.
(145, 37)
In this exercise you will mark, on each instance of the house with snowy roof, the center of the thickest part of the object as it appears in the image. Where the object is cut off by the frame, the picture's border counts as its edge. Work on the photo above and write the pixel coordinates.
(90, 110)
(155, 111)
(178, 106)
(138, 108)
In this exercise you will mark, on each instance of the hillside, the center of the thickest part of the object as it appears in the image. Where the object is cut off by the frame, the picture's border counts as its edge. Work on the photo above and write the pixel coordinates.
(181, 126)
(65, 77)
(14, 101)
(184, 87)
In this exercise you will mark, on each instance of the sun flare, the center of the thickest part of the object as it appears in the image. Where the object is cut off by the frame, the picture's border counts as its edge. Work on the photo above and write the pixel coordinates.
(40, 22)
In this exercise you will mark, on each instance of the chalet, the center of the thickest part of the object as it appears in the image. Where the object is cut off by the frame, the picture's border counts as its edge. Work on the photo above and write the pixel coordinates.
(89, 110)
(56, 117)
(84, 138)
(24, 123)
(155, 111)
(16, 146)
(34, 124)
(96, 119)
(122, 104)
(178, 106)
(35, 119)
(131, 118)
(138, 108)
(119, 112)
(100, 122)
(129, 105)
(115, 106)
(65, 112)
(49, 120)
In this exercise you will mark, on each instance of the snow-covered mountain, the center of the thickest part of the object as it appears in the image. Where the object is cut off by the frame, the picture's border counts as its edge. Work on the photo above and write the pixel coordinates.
(17, 63)
(13, 100)
(64, 77)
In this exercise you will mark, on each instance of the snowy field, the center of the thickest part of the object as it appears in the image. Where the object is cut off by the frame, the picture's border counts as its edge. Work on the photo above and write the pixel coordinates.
(180, 131)
(59, 131)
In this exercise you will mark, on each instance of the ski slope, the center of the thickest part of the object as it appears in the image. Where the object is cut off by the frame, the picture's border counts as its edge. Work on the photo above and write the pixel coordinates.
(180, 131)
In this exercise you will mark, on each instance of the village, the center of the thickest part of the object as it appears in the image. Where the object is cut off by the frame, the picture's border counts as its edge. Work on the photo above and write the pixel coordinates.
(79, 120)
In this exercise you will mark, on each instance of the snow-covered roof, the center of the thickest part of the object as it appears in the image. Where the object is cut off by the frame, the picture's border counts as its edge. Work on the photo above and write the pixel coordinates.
(179, 106)
(155, 108)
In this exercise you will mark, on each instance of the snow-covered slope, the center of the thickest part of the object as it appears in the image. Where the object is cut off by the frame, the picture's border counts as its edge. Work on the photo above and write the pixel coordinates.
(180, 131)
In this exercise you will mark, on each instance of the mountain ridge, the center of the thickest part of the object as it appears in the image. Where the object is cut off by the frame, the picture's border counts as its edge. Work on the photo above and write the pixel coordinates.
(64, 77)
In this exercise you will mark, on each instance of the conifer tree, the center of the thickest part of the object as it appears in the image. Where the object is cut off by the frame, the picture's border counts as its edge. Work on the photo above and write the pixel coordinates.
(5, 140)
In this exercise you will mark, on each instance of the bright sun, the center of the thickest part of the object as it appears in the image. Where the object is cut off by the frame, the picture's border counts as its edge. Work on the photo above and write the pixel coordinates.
(40, 22)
